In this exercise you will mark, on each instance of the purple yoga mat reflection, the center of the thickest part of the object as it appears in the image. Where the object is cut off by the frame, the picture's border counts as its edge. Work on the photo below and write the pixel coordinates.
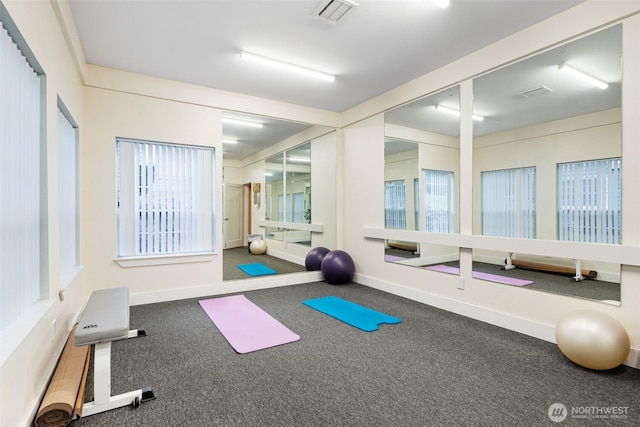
(479, 275)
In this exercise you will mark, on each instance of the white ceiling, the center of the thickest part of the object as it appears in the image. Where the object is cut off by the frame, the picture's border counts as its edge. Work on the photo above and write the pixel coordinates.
(375, 47)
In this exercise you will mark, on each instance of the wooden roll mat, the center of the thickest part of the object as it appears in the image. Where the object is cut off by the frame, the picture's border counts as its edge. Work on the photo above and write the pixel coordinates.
(549, 268)
(64, 397)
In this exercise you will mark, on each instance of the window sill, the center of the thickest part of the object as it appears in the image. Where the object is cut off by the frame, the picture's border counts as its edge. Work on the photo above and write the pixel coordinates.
(69, 276)
(149, 260)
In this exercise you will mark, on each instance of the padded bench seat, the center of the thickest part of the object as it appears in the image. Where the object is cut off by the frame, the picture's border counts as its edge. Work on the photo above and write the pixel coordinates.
(105, 318)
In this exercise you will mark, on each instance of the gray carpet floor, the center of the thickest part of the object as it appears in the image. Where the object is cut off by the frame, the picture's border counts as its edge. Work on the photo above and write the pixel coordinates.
(433, 369)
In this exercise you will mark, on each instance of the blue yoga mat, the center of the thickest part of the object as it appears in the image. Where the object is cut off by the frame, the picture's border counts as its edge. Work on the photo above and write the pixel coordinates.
(256, 269)
(350, 313)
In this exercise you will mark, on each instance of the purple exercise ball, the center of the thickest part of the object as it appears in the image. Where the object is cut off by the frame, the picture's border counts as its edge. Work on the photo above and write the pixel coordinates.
(337, 267)
(314, 258)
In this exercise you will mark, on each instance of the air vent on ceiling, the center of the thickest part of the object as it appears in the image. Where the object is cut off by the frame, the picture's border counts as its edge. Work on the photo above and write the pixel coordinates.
(332, 10)
(535, 92)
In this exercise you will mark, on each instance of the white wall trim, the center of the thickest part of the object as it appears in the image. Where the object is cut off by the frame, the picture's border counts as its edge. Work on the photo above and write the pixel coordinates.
(531, 328)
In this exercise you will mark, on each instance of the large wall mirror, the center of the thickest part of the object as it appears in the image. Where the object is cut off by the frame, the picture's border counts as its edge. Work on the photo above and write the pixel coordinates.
(422, 157)
(547, 159)
(267, 180)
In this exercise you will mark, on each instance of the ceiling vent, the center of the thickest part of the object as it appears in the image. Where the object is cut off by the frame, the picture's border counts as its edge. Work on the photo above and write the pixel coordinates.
(535, 92)
(332, 10)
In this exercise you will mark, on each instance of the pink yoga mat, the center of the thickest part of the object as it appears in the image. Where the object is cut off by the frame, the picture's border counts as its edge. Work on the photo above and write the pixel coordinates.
(478, 275)
(245, 325)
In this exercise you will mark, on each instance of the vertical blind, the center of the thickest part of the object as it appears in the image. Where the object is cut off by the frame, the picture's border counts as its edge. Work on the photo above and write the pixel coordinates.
(590, 201)
(509, 203)
(67, 193)
(394, 204)
(298, 207)
(438, 203)
(19, 182)
(165, 198)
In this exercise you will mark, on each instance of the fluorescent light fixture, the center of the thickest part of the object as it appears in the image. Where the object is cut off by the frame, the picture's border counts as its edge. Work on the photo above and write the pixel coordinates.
(268, 174)
(229, 141)
(583, 76)
(241, 122)
(299, 159)
(456, 113)
(441, 3)
(287, 66)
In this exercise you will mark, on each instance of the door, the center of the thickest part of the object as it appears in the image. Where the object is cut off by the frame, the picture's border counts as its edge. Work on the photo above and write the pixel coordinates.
(233, 218)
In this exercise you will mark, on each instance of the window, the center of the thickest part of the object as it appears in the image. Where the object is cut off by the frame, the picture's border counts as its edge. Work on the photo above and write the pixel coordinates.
(394, 204)
(22, 278)
(67, 191)
(438, 201)
(509, 203)
(165, 198)
(590, 201)
(298, 207)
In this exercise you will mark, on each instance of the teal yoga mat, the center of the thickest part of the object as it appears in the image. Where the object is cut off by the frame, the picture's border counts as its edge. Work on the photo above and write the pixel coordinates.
(256, 269)
(350, 313)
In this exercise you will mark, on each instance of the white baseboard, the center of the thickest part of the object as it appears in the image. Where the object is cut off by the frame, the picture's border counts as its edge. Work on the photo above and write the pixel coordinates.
(538, 330)
(230, 286)
(285, 256)
(429, 260)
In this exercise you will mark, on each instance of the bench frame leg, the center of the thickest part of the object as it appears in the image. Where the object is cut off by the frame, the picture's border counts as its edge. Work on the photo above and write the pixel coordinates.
(102, 399)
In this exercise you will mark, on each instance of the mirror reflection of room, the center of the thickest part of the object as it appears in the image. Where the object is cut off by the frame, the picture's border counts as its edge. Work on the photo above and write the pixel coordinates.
(547, 163)
(273, 203)
(420, 181)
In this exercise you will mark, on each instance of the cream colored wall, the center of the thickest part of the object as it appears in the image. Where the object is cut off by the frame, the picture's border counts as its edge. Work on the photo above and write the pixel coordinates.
(109, 115)
(30, 348)
(323, 189)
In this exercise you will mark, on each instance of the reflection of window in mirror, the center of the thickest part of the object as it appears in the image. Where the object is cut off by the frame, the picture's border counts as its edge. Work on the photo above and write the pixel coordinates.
(288, 193)
(509, 202)
(298, 188)
(439, 206)
(547, 155)
(590, 201)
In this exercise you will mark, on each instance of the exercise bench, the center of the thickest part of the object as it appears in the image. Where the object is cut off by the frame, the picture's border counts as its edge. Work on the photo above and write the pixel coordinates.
(105, 319)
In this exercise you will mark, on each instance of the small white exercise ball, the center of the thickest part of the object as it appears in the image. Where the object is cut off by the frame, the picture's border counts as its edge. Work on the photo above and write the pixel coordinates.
(258, 247)
(593, 339)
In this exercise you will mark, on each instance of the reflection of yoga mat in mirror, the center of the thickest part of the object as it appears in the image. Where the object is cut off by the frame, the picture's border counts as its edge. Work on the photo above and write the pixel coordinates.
(256, 269)
(245, 325)
(350, 313)
(393, 258)
(479, 275)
